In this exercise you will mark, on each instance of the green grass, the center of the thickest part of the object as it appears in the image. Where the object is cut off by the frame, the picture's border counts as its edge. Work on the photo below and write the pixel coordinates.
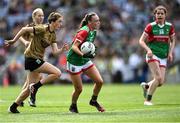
(123, 103)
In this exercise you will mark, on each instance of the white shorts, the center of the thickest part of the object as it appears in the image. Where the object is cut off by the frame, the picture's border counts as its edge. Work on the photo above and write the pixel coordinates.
(162, 62)
(73, 69)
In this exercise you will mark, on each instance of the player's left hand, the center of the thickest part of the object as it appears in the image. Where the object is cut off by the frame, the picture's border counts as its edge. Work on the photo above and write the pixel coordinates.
(89, 55)
(65, 47)
(9, 42)
(170, 57)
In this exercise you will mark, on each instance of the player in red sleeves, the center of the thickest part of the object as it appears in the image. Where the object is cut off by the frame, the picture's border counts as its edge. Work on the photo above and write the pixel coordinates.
(158, 39)
(77, 62)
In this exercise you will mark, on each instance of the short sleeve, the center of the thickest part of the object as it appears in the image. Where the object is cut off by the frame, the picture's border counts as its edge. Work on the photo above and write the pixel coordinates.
(39, 29)
(148, 29)
(172, 31)
(53, 39)
(82, 35)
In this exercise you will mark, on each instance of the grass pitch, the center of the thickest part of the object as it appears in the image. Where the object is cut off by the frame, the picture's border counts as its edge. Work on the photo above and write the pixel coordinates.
(123, 103)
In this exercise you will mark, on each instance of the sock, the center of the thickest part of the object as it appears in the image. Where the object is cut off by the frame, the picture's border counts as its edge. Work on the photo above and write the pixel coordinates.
(37, 85)
(149, 97)
(147, 86)
(14, 105)
(94, 98)
(74, 105)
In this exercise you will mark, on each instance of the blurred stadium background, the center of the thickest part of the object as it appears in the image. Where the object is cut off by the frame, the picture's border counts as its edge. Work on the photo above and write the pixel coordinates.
(120, 59)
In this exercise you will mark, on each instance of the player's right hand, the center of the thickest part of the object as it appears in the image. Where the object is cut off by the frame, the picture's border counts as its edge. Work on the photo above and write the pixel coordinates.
(149, 54)
(26, 44)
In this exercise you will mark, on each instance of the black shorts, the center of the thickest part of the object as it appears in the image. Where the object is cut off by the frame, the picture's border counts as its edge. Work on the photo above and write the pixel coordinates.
(32, 63)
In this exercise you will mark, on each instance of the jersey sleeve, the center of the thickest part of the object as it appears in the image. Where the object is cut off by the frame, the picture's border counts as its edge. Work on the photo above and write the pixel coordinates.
(81, 35)
(39, 29)
(53, 39)
(28, 36)
(148, 29)
(172, 31)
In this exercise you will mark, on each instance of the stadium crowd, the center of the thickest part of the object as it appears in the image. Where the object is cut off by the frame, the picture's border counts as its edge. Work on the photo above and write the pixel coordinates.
(119, 58)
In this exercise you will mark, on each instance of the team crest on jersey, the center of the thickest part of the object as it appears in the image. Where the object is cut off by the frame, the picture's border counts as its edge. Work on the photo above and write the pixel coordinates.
(38, 61)
(161, 31)
(167, 30)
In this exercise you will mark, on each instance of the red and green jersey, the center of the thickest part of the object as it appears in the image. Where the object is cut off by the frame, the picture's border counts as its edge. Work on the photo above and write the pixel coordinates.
(84, 34)
(159, 37)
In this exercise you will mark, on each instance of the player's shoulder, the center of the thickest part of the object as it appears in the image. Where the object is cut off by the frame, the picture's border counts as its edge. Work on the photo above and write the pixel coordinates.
(168, 23)
(151, 23)
(85, 28)
(41, 26)
(30, 24)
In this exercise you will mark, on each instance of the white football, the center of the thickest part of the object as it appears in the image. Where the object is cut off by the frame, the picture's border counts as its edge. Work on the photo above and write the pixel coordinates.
(87, 47)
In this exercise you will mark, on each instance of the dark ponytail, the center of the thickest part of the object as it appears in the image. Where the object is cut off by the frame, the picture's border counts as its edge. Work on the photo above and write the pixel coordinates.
(86, 18)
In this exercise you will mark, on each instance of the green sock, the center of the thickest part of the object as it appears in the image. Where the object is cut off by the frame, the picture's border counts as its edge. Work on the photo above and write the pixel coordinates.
(149, 97)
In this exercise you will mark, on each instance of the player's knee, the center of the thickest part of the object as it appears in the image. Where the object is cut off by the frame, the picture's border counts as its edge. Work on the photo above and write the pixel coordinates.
(57, 74)
(159, 80)
(100, 82)
(161, 83)
(78, 90)
(40, 76)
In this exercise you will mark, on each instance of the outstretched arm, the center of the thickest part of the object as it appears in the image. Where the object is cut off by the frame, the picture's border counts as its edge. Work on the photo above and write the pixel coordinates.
(18, 35)
(57, 51)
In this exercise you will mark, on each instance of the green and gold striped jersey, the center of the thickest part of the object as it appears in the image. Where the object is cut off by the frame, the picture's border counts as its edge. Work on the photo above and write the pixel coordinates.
(42, 38)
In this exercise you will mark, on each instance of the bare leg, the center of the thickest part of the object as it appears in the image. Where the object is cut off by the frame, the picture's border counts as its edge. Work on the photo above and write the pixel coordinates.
(94, 74)
(54, 72)
(38, 77)
(31, 77)
(77, 82)
(158, 78)
(156, 72)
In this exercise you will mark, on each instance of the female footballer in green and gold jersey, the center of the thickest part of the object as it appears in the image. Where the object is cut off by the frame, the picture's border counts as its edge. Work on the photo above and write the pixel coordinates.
(38, 18)
(44, 36)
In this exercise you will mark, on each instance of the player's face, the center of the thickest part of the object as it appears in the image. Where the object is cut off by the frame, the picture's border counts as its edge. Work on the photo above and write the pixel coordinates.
(58, 23)
(95, 22)
(39, 17)
(160, 16)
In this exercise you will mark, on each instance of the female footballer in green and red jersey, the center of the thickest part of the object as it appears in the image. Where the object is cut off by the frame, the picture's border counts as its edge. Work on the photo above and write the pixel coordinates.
(158, 39)
(77, 62)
